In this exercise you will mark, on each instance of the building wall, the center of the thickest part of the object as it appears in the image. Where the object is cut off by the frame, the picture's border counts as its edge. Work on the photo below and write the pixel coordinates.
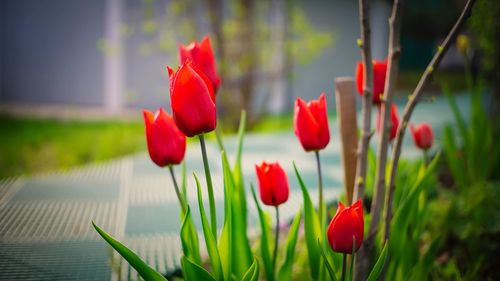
(49, 53)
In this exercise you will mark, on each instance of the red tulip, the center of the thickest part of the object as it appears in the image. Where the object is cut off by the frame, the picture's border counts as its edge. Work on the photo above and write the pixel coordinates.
(348, 223)
(394, 122)
(166, 144)
(311, 123)
(193, 100)
(202, 56)
(273, 183)
(379, 72)
(422, 135)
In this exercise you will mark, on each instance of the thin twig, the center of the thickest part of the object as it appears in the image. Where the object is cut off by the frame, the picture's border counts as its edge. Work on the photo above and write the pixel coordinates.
(413, 99)
(359, 189)
(366, 57)
(385, 111)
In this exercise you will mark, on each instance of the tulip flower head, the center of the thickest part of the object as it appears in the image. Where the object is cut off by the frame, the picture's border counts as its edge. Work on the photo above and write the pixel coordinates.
(346, 225)
(379, 72)
(166, 143)
(193, 100)
(394, 122)
(311, 123)
(202, 56)
(273, 183)
(422, 135)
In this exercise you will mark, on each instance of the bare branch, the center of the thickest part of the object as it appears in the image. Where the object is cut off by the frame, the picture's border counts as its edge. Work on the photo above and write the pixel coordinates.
(366, 58)
(359, 190)
(390, 82)
(412, 102)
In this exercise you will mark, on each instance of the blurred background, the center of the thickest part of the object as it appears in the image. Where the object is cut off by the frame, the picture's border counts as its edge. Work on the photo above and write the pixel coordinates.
(78, 72)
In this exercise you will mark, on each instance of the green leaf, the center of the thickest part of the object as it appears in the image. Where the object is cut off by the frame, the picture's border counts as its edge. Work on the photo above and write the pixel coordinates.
(401, 246)
(194, 272)
(311, 229)
(252, 273)
(189, 238)
(285, 272)
(264, 240)
(329, 266)
(456, 111)
(144, 270)
(225, 241)
(213, 252)
(379, 265)
(238, 173)
(233, 180)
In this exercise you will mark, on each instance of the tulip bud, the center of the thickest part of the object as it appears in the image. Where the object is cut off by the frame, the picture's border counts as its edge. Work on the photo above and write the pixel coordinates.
(273, 183)
(394, 122)
(463, 44)
(202, 56)
(346, 225)
(311, 123)
(379, 72)
(166, 144)
(422, 135)
(193, 100)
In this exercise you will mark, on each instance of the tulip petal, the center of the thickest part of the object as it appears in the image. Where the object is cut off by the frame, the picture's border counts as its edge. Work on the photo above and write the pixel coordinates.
(192, 102)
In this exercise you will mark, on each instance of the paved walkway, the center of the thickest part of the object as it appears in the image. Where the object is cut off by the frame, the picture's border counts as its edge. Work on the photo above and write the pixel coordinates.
(45, 231)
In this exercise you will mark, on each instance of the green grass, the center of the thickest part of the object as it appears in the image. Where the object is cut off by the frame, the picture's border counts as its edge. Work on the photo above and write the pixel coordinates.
(29, 145)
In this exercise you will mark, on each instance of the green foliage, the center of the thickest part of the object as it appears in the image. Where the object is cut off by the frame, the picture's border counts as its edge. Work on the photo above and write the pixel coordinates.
(406, 248)
(235, 207)
(377, 269)
(189, 238)
(144, 270)
(211, 243)
(285, 272)
(253, 272)
(32, 145)
(192, 271)
(311, 230)
(483, 21)
(475, 156)
(306, 41)
(328, 264)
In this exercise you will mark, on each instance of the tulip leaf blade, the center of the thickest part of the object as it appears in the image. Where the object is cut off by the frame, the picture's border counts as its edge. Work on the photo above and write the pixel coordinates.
(311, 228)
(192, 271)
(264, 240)
(240, 242)
(189, 238)
(240, 245)
(379, 265)
(144, 270)
(285, 272)
(252, 273)
(211, 244)
(226, 238)
(329, 266)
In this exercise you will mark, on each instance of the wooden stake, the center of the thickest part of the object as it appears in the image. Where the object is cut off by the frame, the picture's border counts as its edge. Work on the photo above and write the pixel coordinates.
(346, 117)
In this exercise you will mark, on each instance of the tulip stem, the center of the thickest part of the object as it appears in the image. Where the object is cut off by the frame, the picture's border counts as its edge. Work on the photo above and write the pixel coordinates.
(176, 186)
(208, 176)
(344, 263)
(276, 238)
(320, 189)
(426, 157)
